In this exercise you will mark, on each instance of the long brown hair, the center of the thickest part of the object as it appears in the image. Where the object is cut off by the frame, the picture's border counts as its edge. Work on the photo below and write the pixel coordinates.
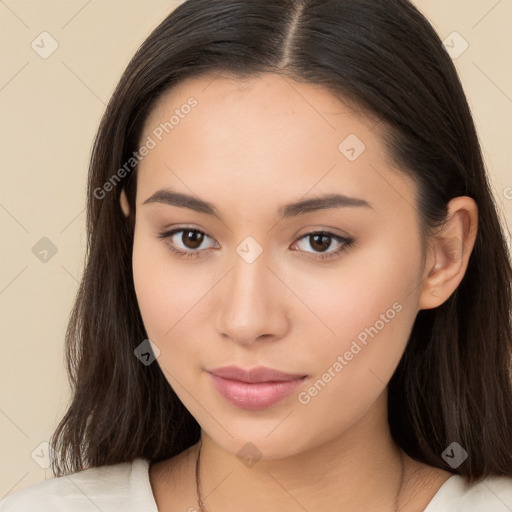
(453, 382)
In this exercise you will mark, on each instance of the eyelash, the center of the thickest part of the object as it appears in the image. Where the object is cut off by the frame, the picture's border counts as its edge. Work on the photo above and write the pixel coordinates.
(347, 243)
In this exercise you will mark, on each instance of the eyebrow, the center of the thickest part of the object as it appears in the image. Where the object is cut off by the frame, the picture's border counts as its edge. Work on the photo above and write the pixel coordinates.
(324, 202)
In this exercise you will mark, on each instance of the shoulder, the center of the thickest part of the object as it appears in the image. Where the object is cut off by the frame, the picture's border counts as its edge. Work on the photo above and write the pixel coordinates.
(112, 488)
(492, 493)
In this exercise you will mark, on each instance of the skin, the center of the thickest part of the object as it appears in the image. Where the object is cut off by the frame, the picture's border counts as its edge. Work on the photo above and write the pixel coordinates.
(250, 147)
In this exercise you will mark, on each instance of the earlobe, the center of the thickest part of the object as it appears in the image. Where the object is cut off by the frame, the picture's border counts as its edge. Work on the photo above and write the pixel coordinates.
(450, 249)
(123, 200)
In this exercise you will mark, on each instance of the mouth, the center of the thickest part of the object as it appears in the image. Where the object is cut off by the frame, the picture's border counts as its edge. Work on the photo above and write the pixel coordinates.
(256, 388)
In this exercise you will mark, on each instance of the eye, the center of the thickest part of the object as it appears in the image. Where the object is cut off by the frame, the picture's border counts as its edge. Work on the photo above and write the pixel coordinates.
(186, 241)
(321, 241)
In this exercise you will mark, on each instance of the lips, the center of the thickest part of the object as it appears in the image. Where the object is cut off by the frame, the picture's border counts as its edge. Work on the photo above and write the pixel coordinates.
(254, 375)
(256, 388)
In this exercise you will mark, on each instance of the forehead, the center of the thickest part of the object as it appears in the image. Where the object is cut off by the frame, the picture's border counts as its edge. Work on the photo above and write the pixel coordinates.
(253, 135)
(269, 90)
(266, 102)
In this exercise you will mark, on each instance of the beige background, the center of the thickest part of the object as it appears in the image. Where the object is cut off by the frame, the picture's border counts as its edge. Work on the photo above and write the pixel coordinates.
(50, 109)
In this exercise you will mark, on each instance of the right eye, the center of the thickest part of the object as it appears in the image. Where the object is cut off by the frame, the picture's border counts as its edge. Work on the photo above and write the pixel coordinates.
(185, 241)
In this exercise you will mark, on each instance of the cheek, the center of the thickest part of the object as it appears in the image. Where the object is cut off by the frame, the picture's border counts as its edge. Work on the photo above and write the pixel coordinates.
(365, 310)
(170, 297)
(165, 291)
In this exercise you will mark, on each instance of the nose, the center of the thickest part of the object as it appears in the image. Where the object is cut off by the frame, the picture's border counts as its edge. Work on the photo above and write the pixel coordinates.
(251, 304)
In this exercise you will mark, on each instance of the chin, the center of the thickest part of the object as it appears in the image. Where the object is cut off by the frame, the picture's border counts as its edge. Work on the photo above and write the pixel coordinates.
(254, 444)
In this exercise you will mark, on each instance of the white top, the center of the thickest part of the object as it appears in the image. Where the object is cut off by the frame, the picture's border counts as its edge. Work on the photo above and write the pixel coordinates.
(125, 487)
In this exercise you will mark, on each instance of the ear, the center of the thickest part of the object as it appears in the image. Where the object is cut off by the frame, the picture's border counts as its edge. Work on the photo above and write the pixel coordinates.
(449, 251)
(125, 207)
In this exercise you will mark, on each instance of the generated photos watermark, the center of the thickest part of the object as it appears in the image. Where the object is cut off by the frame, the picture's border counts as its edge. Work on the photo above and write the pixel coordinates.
(357, 345)
(150, 143)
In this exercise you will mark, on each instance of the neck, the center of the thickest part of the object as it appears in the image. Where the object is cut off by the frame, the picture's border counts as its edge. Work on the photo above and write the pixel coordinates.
(362, 469)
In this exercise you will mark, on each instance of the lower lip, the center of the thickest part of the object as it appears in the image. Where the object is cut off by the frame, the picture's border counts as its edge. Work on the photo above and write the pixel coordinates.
(258, 395)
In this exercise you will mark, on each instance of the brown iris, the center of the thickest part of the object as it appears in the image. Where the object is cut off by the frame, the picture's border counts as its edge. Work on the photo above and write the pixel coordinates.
(192, 239)
(320, 242)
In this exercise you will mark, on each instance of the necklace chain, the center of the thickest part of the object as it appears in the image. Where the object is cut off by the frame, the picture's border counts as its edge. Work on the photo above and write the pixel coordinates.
(202, 507)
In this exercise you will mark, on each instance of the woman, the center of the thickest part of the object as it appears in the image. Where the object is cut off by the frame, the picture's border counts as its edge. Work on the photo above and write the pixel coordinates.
(297, 294)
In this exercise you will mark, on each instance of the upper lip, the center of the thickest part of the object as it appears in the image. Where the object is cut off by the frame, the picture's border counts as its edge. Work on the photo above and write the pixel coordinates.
(254, 375)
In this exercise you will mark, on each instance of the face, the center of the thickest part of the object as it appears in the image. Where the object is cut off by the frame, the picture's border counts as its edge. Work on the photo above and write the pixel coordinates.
(231, 271)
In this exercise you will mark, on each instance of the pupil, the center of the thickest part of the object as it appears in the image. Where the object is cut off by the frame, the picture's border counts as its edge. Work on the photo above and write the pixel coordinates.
(320, 242)
(192, 239)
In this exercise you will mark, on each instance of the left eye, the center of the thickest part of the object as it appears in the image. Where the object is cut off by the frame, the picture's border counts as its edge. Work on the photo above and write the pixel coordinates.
(321, 241)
